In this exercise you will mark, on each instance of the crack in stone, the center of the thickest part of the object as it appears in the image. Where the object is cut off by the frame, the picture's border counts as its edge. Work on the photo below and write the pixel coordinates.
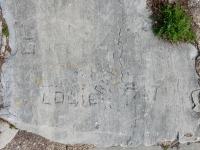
(122, 23)
(120, 30)
(177, 136)
(119, 39)
(12, 114)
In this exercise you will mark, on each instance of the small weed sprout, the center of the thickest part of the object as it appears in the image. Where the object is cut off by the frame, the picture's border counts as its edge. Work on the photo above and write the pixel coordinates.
(5, 30)
(172, 24)
(12, 126)
(165, 147)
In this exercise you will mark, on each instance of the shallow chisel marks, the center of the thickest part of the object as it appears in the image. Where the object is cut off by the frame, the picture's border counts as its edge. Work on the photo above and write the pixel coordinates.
(59, 97)
(155, 93)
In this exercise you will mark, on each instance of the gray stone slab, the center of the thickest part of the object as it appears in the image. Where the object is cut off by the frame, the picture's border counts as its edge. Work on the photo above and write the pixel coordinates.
(141, 147)
(193, 146)
(90, 71)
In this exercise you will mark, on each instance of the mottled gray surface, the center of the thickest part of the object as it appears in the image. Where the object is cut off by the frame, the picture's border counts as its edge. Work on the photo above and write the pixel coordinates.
(141, 147)
(193, 146)
(91, 71)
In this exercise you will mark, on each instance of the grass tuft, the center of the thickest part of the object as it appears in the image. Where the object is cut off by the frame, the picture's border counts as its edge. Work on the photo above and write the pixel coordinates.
(5, 30)
(172, 24)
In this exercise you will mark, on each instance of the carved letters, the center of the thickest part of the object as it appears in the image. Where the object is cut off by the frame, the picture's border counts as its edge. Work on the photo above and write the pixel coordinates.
(59, 97)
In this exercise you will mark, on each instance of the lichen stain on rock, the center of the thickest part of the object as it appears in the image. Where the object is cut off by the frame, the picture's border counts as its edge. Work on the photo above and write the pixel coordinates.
(88, 64)
(16, 101)
(75, 64)
(114, 72)
(37, 81)
(113, 82)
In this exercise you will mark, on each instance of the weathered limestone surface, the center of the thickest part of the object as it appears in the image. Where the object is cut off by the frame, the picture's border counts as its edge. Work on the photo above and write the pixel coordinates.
(91, 71)
(141, 147)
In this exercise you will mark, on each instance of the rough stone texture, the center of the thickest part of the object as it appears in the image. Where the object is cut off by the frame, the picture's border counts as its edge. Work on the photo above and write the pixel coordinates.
(195, 11)
(193, 146)
(141, 147)
(84, 71)
(197, 65)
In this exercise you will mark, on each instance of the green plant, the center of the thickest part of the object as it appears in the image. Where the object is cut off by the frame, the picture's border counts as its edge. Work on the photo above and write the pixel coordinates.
(165, 147)
(5, 30)
(171, 23)
(12, 126)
